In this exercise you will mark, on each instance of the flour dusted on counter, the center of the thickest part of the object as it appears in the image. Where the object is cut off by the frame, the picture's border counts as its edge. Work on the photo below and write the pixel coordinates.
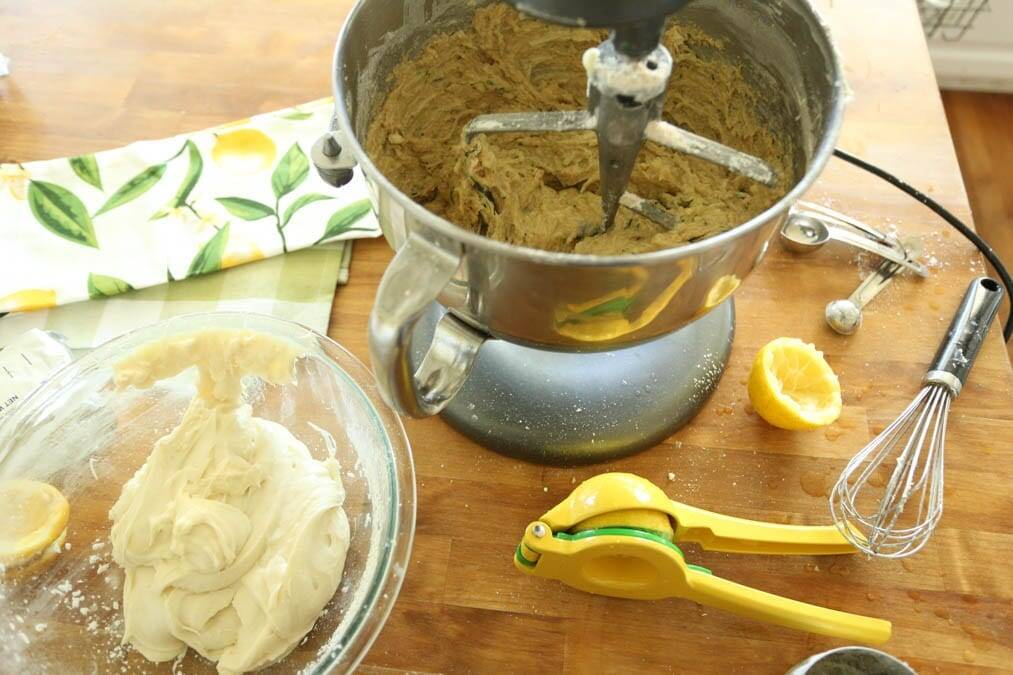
(232, 535)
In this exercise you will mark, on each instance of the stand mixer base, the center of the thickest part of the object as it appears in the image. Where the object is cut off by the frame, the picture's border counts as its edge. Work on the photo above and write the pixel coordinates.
(565, 409)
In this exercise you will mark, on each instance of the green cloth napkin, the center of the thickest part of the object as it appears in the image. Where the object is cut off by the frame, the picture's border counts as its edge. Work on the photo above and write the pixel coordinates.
(298, 287)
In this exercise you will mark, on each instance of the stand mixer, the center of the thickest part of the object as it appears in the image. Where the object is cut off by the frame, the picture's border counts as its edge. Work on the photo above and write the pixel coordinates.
(561, 357)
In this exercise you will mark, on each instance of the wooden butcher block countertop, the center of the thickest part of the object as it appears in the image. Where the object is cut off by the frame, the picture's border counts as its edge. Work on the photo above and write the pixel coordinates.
(91, 76)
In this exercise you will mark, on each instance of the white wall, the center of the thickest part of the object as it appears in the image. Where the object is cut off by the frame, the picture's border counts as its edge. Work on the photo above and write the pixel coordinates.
(983, 59)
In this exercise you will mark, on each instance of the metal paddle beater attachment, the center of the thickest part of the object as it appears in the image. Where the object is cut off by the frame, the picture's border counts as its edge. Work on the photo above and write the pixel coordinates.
(907, 457)
(626, 80)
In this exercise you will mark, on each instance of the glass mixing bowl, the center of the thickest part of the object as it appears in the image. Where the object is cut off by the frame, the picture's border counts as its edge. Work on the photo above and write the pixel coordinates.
(78, 433)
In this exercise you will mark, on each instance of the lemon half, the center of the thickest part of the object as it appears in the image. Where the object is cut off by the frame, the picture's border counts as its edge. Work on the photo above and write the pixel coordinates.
(793, 387)
(33, 522)
(641, 519)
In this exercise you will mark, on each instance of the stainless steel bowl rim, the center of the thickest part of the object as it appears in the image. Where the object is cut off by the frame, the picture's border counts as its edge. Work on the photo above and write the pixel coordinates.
(448, 229)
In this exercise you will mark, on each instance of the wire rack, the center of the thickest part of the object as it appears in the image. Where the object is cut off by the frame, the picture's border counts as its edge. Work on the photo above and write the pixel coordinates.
(950, 20)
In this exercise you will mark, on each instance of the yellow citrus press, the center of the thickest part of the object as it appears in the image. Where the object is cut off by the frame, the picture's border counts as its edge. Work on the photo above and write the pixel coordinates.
(617, 533)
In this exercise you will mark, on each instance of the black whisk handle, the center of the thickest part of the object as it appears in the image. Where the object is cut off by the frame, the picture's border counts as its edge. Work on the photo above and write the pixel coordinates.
(966, 334)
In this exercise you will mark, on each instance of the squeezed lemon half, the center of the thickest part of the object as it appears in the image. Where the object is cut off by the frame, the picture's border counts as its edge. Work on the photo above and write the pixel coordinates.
(33, 522)
(641, 519)
(792, 386)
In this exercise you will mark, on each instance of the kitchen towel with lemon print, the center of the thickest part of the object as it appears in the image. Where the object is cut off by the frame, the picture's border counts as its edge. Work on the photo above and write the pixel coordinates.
(153, 212)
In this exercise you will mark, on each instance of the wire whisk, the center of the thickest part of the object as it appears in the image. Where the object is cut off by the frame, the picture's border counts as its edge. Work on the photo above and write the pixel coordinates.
(906, 458)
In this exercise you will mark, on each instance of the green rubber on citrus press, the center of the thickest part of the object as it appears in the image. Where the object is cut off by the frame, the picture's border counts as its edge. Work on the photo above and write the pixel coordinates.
(649, 535)
(521, 559)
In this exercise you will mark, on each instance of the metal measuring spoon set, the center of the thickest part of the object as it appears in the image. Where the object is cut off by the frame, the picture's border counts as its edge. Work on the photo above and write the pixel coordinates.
(809, 226)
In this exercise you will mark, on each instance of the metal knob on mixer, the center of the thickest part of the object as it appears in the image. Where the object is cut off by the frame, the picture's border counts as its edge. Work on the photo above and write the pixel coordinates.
(333, 162)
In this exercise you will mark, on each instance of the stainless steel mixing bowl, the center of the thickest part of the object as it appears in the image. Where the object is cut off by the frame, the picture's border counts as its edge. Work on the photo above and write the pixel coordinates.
(538, 298)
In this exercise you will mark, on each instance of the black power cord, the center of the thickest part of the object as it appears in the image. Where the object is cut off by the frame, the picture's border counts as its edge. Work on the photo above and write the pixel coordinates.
(938, 209)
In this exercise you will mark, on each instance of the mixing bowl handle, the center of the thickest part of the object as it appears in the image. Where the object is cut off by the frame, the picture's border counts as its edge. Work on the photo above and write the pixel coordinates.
(412, 282)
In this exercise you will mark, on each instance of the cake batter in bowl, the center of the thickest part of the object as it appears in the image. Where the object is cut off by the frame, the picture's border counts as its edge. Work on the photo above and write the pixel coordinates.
(94, 425)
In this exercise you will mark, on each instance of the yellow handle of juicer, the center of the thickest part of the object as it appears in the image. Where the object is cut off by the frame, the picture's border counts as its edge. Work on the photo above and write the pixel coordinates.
(717, 532)
(610, 499)
(644, 568)
(755, 604)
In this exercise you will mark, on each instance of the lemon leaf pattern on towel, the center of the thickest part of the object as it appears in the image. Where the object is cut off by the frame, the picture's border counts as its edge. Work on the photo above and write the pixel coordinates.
(193, 172)
(162, 211)
(344, 218)
(60, 211)
(290, 172)
(102, 286)
(305, 200)
(247, 209)
(86, 169)
(134, 188)
(209, 257)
